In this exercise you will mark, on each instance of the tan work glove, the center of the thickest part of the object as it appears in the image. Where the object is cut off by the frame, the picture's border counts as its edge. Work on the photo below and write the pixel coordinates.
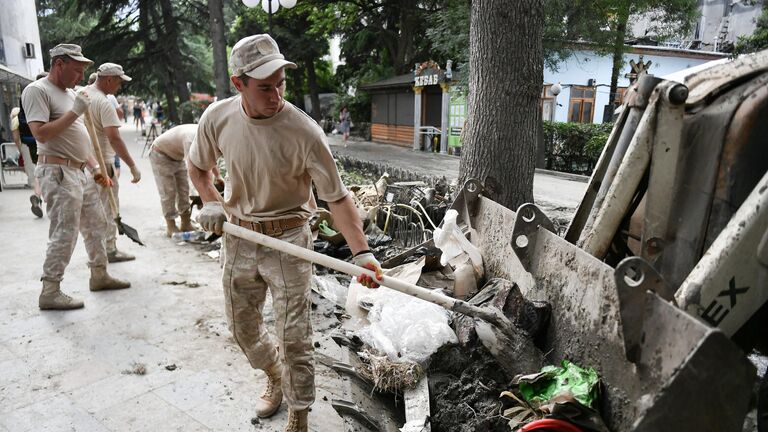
(135, 173)
(212, 217)
(100, 178)
(82, 103)
(366, 259)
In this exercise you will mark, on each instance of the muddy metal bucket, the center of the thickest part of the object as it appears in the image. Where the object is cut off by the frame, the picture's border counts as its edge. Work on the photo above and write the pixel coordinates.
(683, 375)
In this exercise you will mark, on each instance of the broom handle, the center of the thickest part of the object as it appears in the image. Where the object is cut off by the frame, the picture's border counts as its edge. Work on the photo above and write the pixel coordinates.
(100, 156)
(353, 270)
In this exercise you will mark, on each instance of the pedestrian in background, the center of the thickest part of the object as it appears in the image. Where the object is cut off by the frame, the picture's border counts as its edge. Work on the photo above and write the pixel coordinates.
(29, 163)
(344, 123)
(72, 201)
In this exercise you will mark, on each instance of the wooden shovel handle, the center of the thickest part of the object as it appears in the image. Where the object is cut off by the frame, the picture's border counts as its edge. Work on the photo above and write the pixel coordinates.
(100, 157)
(449, 303)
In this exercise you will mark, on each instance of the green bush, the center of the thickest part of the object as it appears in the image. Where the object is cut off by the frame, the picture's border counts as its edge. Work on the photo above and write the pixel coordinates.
(574, 147)
(190, 111)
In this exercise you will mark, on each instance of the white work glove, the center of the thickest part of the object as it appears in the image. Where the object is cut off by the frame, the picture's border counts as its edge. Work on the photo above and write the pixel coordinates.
(135, 173)
(82, 102)
(212, 217)
(366, 259)
(100, 178)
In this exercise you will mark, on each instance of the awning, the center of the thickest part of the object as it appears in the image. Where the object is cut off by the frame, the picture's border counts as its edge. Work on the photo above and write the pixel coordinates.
(7, 75)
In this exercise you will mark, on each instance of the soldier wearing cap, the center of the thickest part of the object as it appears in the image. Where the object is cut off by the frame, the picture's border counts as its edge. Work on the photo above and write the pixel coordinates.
(72, 202)
(107, 124)
(274, 152)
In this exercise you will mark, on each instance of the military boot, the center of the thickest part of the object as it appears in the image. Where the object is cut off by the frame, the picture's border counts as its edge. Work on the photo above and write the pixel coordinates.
(270, 400)
(53, 299)
(102, 281)
(186, 222)
(117, 256)
(297, 421)
(170, 227)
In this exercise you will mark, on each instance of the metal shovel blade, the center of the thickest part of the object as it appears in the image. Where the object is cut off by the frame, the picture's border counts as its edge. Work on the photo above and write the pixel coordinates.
(128, 231)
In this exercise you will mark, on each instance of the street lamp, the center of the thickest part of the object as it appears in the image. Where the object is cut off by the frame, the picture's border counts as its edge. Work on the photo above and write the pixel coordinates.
(270, 7)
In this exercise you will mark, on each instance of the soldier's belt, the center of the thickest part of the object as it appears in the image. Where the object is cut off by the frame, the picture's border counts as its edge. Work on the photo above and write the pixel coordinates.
(272, 228)
(55, 160)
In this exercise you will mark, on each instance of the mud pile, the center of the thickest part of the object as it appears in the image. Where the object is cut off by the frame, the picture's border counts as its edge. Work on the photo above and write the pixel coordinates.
(464, 386)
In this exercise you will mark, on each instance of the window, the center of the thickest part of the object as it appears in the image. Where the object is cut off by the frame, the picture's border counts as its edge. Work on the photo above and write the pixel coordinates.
(29, 50)
(547, 103)
(581, 107)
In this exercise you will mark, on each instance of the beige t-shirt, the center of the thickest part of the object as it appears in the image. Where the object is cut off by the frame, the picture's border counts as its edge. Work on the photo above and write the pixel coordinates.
(104, 115)
(271, 163)
(44, 102)
(175, 143)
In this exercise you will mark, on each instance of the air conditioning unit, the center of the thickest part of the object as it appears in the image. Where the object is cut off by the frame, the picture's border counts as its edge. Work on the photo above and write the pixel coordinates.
(29, 50)
(591, 82)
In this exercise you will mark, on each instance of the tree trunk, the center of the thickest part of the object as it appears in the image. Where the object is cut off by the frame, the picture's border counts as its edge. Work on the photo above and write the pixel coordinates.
(505, 79)
(312, 85)
(219, 43)
(618, 62)
(296, 87)
(171, 41)
(171, 111)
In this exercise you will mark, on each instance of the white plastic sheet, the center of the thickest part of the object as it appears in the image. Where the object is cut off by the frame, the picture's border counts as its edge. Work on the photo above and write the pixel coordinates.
(403, 327)
(452, 242)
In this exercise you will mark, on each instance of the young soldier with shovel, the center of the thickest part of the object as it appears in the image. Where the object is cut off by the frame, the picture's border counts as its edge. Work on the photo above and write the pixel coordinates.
(273, 153)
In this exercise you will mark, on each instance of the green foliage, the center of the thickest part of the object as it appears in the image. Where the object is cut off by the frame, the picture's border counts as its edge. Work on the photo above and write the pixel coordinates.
(191, 111)
(574, 147)
(449, 33)
(758, 40)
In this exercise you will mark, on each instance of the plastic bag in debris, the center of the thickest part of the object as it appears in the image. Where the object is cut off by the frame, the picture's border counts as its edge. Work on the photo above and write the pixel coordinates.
(330, 288)
(452, 242)
(403, 327)
(540, 387)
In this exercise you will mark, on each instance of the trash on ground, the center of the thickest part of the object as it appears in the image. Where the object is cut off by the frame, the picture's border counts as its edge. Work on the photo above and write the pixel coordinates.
(552, 381)
(403, 327)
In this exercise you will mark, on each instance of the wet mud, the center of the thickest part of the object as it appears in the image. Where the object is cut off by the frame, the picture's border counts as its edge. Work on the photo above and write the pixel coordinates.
(464, 385)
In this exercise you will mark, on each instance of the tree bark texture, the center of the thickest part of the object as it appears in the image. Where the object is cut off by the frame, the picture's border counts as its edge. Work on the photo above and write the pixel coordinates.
(618, 60)
(314, 97)
(506, 75)
(171, 41)
(218, 40)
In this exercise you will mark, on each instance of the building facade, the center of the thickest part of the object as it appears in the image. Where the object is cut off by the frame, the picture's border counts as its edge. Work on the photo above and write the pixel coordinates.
(585, 79)
(21, 58)
(425, 110)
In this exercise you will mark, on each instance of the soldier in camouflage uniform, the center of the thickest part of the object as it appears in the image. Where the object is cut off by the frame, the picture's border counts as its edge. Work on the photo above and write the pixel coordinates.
(72, 201)
(106, 123)
(274, 153)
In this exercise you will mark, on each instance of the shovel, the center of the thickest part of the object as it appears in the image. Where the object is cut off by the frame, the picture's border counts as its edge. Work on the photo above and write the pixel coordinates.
(491, 315)
(122, 228)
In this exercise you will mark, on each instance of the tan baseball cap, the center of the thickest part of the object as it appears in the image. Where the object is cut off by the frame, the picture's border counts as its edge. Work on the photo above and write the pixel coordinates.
(113, 69)
(71, 50)
(257, 56)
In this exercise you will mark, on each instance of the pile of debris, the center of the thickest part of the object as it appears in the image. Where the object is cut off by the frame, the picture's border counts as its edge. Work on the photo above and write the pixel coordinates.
(451, 371)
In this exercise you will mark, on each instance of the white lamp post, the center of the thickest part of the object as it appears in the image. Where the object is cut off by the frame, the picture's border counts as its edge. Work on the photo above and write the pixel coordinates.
(270, 7)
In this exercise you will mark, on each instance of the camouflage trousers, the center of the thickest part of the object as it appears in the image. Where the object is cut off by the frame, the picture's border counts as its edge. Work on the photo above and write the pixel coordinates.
(72, 204)
(249, 271)
(172, 182)
(111, 229)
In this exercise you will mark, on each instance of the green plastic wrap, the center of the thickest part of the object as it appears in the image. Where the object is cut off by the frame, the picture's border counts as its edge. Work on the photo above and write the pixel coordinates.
(552, 380)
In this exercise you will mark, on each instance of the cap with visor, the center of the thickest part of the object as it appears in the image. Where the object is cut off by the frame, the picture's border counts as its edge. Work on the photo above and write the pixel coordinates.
(257, 56)
(113, 69)
(70, 50)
